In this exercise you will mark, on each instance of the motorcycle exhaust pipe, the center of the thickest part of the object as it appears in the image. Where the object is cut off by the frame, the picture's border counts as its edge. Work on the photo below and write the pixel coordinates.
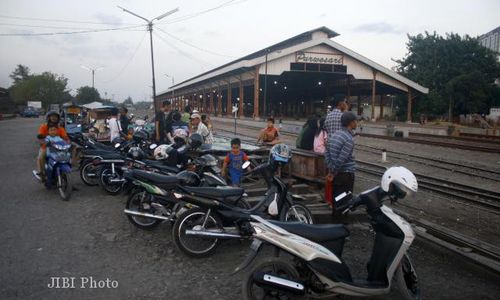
(141, 214)
(121, 180)
(214, 234)
(279, 283)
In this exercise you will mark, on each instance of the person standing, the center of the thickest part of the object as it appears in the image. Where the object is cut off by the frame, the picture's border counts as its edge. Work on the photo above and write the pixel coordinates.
(320, 137)
(124, 120)
(114, 126)
(332, 121)
(233, 162)
(187, 114)
(160, 123)
(339, 159)
(307, 140)
(200, 128)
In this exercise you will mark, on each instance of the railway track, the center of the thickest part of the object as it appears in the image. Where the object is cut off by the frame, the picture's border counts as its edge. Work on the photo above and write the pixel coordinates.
(487, 199)
(480, 172)
(478, 252)
(442, 164)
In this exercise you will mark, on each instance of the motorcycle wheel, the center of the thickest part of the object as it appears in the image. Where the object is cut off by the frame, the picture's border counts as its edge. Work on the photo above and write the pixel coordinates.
(135, 202)
(64, 186)
(296, 213)
(89, 174)
(272, 266)
(407, 280)
(110, 188)
(195, 246)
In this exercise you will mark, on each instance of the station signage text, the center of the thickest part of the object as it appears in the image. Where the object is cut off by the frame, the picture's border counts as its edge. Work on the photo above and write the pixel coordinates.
(319, 58)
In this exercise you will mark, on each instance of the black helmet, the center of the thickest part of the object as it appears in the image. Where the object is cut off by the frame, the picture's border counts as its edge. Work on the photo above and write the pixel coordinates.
(208, 160)
(195, 140)
(136, 153)
(188, 178)
(117, 140)
(140, 136)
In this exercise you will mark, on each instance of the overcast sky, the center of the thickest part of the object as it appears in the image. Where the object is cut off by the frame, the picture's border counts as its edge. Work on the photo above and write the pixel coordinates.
(375, 29)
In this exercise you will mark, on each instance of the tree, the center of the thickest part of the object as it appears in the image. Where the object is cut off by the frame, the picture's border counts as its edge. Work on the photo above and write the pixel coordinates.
(87, 94)
(458, 71)
(46, 87)
(128, 101)
(21, 73)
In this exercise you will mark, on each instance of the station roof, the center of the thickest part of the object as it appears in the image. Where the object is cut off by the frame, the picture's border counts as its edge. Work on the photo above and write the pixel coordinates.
(306, 39)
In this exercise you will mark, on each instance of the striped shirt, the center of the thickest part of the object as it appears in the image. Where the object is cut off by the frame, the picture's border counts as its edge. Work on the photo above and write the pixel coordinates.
(338, 155)
(332, 122)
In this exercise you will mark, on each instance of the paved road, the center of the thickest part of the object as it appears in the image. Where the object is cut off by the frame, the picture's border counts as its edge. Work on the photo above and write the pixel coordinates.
(43, 237)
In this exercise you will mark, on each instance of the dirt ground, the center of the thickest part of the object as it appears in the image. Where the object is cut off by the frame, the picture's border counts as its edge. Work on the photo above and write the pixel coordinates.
(44, 237)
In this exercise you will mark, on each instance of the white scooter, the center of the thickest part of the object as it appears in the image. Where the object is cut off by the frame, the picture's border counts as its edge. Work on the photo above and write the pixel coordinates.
(317, 269)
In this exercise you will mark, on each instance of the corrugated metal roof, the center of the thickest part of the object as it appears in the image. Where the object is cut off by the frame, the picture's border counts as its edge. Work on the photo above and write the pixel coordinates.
(305, 39)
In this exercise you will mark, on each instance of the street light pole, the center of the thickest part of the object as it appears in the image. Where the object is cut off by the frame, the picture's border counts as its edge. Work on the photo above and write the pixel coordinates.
(150, 29)
(93, 72)
(265, 85)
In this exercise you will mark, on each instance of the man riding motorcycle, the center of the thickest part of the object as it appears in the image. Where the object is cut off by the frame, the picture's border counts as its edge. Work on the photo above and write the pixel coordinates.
(53, 119)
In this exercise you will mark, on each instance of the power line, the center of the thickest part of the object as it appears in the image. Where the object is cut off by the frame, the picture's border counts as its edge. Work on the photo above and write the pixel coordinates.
(70, 32)
(129, 60)
(193, 15)
(47, 26)
(64, 21)
(192, 45)
(201, 62)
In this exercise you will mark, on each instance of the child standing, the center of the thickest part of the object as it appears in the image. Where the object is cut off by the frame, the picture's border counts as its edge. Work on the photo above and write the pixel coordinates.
(234, 161)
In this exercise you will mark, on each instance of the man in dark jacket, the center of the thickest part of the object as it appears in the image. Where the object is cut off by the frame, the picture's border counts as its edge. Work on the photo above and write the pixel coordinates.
(124, 120)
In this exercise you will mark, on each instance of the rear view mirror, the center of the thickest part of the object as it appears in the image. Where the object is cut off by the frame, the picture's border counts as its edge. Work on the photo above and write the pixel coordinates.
(117, 145)
(152, 146)
(245, 164)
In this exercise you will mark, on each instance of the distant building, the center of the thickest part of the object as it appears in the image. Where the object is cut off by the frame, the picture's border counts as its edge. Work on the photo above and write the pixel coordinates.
(491, 40)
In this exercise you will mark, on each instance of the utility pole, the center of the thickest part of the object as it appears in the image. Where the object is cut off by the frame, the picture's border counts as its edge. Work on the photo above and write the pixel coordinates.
(93, 72)
(150, 29)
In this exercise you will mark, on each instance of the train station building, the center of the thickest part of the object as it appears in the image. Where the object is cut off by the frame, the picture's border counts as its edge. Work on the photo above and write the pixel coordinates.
(295, 78)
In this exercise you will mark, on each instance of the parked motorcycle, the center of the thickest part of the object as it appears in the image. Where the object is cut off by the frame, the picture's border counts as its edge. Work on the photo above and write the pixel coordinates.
(198, 231)
(316, 268)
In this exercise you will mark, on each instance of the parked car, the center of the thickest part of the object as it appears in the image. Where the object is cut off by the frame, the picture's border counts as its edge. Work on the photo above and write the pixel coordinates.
(30, 112)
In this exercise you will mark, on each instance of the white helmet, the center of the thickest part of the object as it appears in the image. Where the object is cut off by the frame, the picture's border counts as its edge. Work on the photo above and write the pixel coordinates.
(161, 152)
(402, 178)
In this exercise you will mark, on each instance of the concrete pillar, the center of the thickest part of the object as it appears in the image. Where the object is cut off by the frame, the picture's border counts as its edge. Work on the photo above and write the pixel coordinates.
(408, 116)
(374, 93)
(381, 106)
(348, 91)
(256, 93)
(229, 101)
(211, 109)
(219, 101)
(241, 103)
(359, 105)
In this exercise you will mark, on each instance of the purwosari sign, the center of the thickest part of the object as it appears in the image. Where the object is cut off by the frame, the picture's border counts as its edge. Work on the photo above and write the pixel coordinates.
(319, 58)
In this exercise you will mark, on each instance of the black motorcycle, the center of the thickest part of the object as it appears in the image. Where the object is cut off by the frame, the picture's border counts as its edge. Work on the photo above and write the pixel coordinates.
(198, 231)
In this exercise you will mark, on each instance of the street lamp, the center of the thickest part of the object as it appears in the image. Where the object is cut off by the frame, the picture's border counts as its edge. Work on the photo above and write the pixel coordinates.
(93, 72)
(150, 29)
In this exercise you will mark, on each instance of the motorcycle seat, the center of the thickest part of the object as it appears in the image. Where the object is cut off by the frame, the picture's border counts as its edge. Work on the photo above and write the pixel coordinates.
(112, 156)
(96, 152)
(218, 193)
(161, 166)
(161, 180)
(319, 233)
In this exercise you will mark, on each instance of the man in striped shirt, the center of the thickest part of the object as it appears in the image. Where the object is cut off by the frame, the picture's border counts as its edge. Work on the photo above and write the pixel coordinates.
(332, 122)
(339, 159)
